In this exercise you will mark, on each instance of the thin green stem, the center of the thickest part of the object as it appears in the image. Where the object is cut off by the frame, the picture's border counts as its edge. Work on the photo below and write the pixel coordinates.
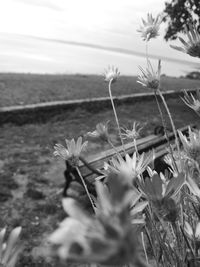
(135, 145)
(157, 234)
(144, 248)
(152, 246)
(147, 54)
(86, 189)
(113, 147)
(171, 121)
(187, 242)
(179, 243)
(165, 129)
(89, 166)
(197, 113)
(115, 113)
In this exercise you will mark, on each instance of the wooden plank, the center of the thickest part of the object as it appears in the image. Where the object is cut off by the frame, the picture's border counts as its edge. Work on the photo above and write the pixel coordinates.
(98, 160)
(111, 152)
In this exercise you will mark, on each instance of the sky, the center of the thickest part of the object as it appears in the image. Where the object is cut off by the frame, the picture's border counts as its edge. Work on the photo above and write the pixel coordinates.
(82, 36)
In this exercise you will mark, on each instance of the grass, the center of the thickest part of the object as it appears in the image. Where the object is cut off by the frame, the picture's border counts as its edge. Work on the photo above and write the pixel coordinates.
(34, 199)
(21, 89)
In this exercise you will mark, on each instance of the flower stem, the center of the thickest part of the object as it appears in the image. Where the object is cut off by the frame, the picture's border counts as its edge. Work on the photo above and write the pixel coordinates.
(152, 246)
(113, 147)
(86, 189)
(115, 113)
(147, 54)
(84, 161)
(144, 248)
(197, 113)
(171, 121)
(135, 145)
(165, 129)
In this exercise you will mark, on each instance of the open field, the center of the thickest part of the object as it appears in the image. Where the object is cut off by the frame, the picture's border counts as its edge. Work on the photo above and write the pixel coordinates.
(21, 89)
(31, 178)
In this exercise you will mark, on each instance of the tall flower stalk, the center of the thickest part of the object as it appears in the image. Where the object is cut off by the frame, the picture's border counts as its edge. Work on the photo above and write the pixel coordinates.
(115, 114)
(165, 130)
(86, 189)
(151, 80)
(111, 75)
(171, 120)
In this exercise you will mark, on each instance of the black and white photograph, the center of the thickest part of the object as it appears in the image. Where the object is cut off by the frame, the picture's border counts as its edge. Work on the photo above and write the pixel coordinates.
(100, 133)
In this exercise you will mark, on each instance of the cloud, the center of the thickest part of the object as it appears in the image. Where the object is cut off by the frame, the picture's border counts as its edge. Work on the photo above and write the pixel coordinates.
(41, 3)
(111, 49)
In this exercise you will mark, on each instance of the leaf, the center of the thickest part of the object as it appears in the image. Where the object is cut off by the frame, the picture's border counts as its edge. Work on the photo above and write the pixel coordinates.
(175, 185)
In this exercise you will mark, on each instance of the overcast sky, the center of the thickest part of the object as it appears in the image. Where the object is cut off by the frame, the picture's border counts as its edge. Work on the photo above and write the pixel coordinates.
(81, 36)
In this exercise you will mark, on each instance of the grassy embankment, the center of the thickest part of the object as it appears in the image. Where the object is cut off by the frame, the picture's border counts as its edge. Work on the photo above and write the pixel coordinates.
(21, 89)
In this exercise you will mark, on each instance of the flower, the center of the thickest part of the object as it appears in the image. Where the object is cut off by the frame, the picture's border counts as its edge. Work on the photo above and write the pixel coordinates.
(150, 28)
(72, 152)
(111, 74)
(101, 132)
(134, 133)
(150, 78)
(179, 164)
(191, 145)
(9, 251)
(192, 46)
(191, 102)
(162, 194)
(191, 233)
(129, 168)
(176, 162)
(108, 237)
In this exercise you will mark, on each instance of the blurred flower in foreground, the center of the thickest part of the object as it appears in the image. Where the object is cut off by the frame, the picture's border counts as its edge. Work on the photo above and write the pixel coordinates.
(101, 132)
(150, 78)
(9, 251)
(191, 102)
(107, 238)
(134, 133)
(162, 194)
(72, 152)
(111, 74)
(150, 28)
(191, 145)
(130, 167)
(192, 46)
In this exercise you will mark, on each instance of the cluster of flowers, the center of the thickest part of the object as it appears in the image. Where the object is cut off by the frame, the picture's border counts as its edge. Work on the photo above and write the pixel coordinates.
(135, 207)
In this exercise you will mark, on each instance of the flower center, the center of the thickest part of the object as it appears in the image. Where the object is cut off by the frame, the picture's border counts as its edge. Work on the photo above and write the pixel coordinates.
(194, 50)
(154, 84)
